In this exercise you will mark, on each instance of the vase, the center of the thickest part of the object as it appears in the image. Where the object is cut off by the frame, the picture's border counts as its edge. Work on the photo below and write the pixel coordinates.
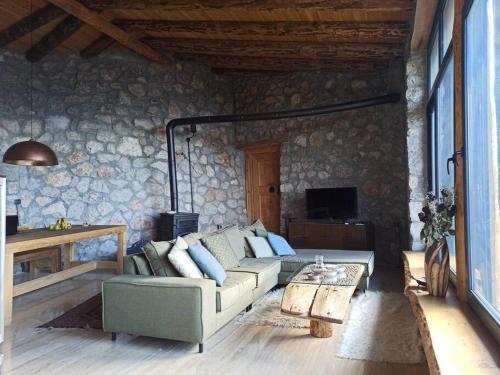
(437, 268)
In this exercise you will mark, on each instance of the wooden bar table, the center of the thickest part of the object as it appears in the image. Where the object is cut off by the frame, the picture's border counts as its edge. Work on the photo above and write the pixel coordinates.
(40, 238)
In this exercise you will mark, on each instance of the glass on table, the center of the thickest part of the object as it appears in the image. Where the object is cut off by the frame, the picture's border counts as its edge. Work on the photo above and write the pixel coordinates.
(318, 261)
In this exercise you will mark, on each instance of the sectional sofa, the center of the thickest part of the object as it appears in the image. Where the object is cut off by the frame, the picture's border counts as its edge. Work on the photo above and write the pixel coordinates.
(192, 310)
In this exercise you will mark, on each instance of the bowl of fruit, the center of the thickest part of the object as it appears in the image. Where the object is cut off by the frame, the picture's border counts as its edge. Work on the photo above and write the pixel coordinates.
(61, 224)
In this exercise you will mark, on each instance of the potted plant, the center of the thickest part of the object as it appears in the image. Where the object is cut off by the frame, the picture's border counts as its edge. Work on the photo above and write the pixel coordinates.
(437, 216)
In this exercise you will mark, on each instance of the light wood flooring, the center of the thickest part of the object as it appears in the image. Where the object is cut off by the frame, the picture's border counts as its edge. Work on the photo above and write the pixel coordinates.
(233, 350)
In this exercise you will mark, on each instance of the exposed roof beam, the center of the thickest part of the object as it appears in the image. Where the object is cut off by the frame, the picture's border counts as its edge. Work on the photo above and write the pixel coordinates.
(101, 24)
(253, 5)
(29, 23)
(278, 49)
(96, 47)
(338, 32)
(273, 64)
(245, 72)
(422, 23)
(259, 10)
(58, 35)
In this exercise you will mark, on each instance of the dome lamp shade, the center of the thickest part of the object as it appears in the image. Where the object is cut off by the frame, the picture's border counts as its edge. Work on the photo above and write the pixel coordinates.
(30, 153)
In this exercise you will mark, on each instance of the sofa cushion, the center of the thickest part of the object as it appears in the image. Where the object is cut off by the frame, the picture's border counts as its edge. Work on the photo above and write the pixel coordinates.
(280, 245)
(248, 250)
(236, 285)
(260, 247)
(181, 260)
(261, 232)
(262, 268)
(236, 241)
(293, 262)
(157, 256)
(260, 226)
(192, 238)
(142, 266)
(207, 263)
(220, 248)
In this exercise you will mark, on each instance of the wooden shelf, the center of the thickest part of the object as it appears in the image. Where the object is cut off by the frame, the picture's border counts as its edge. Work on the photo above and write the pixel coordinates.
(454, 340)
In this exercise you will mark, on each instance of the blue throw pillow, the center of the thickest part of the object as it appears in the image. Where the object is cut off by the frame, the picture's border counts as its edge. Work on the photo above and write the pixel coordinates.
(279, 245)
(207, 263)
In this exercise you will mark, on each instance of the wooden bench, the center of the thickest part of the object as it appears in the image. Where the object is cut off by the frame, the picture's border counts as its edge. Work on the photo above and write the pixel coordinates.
(34, 256)
(454, 339)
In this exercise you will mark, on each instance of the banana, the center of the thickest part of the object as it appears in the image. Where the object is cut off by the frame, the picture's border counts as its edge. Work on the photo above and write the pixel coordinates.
(61, 224)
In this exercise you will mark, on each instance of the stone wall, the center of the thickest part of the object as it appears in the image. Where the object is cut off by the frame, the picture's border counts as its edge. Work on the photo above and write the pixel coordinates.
(416, 97)
(105, 120)
(365, 148)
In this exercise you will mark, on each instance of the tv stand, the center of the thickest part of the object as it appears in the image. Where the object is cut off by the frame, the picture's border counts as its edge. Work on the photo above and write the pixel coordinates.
(324, 234)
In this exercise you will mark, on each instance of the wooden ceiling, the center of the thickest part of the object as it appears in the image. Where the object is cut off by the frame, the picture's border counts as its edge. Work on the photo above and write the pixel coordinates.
(227, 35)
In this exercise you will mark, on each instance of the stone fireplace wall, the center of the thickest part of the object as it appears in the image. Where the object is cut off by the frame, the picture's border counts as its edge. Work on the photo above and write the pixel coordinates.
(365, 148)
(105, 119)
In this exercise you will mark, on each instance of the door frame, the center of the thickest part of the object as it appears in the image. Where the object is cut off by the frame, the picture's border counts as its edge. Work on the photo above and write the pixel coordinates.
(258, 148)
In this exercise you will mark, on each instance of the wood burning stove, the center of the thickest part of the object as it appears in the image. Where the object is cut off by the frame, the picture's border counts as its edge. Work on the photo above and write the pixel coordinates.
(177, 224)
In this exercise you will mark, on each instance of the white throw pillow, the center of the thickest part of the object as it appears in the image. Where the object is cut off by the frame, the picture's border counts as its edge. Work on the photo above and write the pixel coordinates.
(260, 247)
(180, 244)
(182, 262)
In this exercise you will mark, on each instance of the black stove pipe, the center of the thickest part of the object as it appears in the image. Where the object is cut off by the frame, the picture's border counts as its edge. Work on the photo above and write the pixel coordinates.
(172, 124)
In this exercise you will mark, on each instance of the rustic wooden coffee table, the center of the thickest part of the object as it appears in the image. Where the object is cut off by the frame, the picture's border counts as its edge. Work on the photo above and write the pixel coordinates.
(322, 301)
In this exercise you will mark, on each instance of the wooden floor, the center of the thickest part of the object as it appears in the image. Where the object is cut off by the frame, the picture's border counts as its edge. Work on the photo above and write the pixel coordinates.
(233, 350)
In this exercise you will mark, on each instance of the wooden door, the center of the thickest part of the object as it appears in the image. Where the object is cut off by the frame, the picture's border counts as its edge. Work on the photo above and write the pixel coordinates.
(262, 166)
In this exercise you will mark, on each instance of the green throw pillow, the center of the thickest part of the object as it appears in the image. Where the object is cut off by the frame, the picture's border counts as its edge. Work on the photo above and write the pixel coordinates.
(156, 254)
(192, 238)
(260, 233)
(245, 232)
(236, 241)
(141, 265)
(220, 248)
(257, 225)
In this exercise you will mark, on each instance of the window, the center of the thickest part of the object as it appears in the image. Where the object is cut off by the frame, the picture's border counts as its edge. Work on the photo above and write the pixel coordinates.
(482, 101)
(444, 174)
(441, 108)
(448, 11)
(434, 62)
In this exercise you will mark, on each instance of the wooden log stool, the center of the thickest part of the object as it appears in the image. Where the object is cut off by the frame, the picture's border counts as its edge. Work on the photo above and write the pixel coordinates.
(34, 257)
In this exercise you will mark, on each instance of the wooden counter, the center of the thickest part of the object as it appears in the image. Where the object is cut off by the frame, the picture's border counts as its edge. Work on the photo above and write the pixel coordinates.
(454, 340)
(40, 238)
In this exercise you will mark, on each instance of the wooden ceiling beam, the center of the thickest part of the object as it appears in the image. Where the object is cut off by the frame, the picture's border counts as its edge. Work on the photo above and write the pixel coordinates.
(96, 47)
(245, 72)
(277, 49)
(276, 65)
(337, 32)
(58, 35)
(250, 5)
(29, 23)
(101, 24)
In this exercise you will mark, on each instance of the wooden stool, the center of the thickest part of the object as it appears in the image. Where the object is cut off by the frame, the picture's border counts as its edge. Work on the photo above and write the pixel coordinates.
(33, 256)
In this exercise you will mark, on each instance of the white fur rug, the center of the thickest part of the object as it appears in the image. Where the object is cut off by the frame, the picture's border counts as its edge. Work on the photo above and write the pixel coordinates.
(380, 326)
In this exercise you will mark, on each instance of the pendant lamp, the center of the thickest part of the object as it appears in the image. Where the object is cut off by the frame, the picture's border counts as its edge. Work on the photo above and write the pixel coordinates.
(30, 152)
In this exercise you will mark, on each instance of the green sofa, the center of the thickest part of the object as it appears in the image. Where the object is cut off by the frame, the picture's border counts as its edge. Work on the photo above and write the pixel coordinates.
(192, 310)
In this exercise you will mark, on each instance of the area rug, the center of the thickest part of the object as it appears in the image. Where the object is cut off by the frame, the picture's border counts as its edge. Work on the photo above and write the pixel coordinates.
(380, 326)
(86, 315)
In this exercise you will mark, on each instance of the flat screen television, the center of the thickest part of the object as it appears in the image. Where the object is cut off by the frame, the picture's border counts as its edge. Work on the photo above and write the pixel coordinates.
(332, 203)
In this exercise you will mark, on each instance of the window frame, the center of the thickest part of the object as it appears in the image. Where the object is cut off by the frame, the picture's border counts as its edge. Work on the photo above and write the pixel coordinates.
(479, 308)
(432, 107)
